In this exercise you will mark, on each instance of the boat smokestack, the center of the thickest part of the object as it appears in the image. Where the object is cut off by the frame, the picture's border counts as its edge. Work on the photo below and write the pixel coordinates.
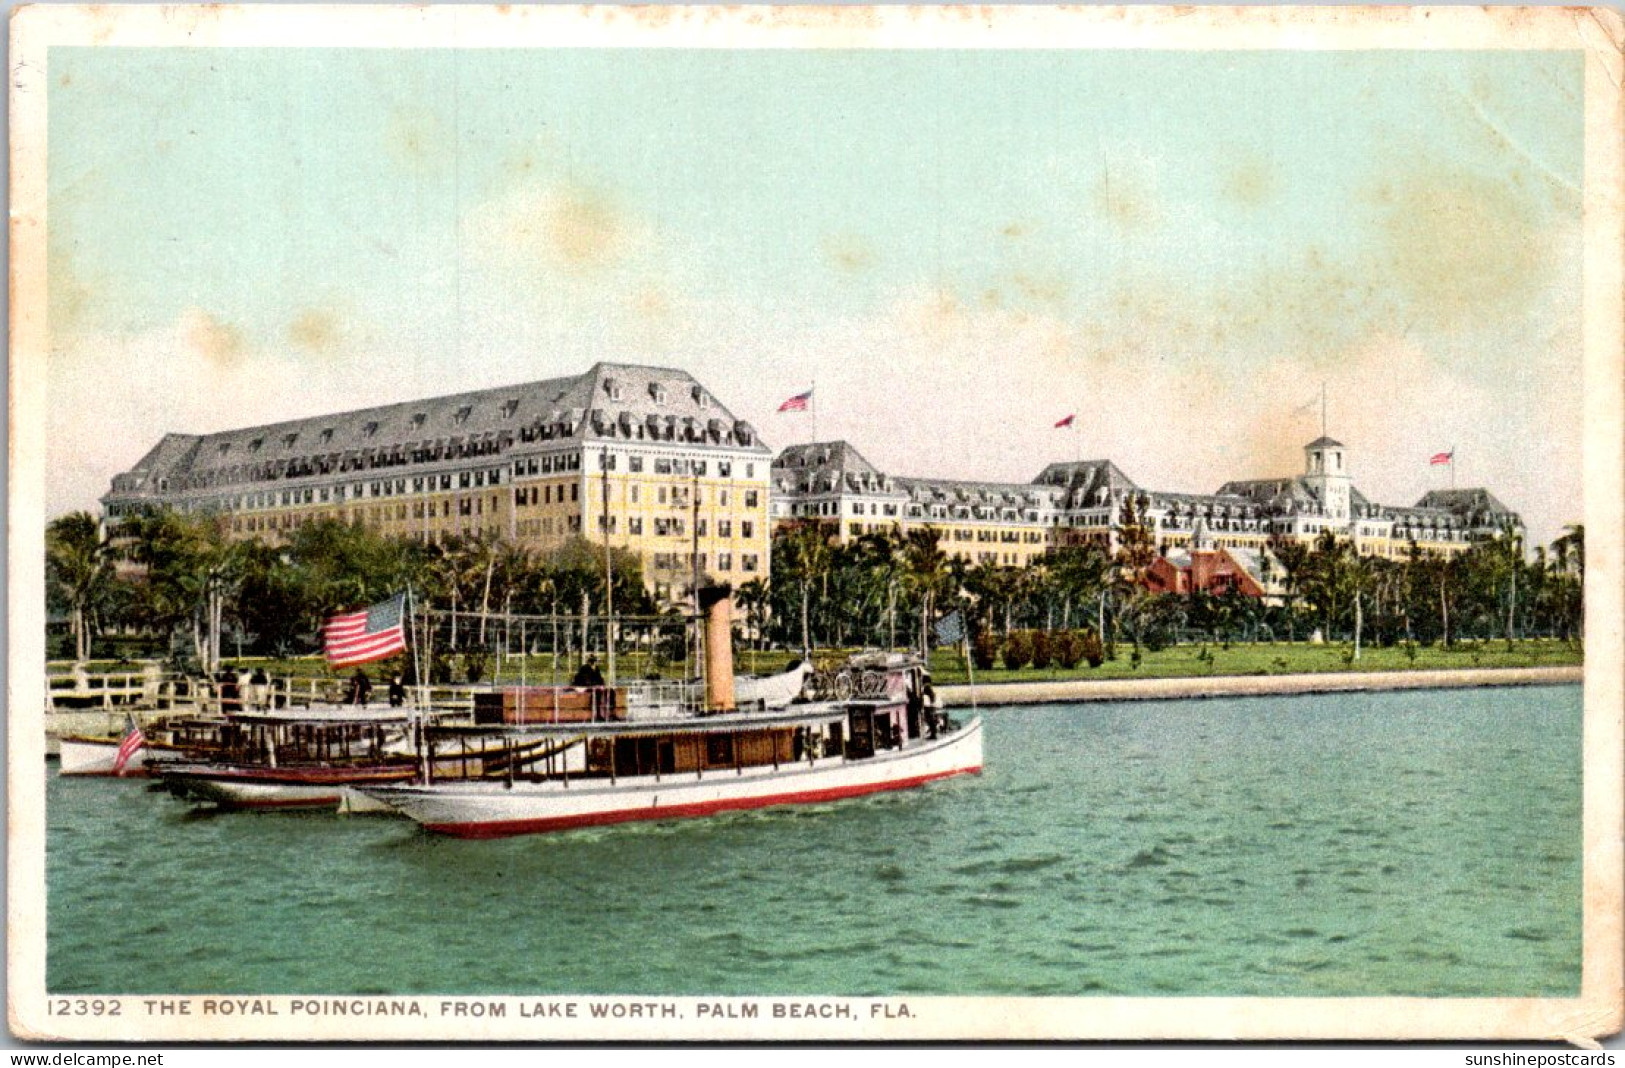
(717, 604)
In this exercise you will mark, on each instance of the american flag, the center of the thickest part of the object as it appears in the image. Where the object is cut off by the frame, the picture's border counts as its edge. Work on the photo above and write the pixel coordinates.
(798, 403)
(367, 634)
(1067, 421)
(1442, 457)
(133, 741)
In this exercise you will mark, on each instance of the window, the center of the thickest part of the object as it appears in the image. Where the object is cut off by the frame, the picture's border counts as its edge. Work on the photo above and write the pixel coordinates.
(509, 407)
(634, 494)
(369, 429)
(634, 463)
(725, 561)
(634, 525)
(725, 528)
(748, 560)
(699, 527)
(750, 470)
(463, 413)
(747, 528)
(725, 468)
(662, 466)
(752, 498)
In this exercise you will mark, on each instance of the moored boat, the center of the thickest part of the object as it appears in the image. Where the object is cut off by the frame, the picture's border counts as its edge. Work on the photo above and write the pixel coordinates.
(307, 759)
(713, 758)
(163, 740)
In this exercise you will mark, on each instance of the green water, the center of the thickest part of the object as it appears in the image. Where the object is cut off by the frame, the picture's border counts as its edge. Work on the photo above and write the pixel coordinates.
(1423, 843)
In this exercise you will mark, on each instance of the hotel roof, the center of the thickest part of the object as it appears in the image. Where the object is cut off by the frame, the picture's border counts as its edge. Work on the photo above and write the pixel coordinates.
(608, 401)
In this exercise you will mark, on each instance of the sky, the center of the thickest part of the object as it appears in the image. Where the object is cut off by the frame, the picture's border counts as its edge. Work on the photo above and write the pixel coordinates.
(955, 248)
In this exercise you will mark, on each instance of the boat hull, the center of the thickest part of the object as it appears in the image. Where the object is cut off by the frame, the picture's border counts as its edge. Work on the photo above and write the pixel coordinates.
(96, 756)
(242, 786)
(496, 810)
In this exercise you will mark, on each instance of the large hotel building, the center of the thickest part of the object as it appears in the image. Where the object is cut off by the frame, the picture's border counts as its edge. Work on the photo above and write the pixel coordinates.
(651, 459)
(646, 456)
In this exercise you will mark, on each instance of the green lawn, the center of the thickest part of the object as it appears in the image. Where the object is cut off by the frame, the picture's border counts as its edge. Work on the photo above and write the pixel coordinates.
(1278, 658)
(947, 666)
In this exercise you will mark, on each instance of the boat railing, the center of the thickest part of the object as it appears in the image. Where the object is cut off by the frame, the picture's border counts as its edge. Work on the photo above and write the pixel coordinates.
(663, 698)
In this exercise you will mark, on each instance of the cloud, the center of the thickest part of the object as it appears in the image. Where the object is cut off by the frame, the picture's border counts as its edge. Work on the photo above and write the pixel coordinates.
(213, 338)
(315, 330)
(557, 230)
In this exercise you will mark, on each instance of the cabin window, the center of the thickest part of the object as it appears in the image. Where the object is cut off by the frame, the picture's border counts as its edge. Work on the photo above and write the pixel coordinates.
(719, 750)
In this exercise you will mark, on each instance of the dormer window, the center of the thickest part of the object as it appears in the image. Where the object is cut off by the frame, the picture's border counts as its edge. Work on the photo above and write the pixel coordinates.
(225, 447)
(701, 397)
(327, 435)
(462, 414)
(289, 439)
(420, 418)
(612, 386)
(254, 446)
(509, 407)
(658, 392)
(369, 429)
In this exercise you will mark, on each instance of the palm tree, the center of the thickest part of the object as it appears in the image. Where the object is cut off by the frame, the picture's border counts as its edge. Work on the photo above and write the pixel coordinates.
(1080, 574)
(1570, 549)
(1293, 557)
(79, 571)
(754, 597)
(926, 568)
(805, 555)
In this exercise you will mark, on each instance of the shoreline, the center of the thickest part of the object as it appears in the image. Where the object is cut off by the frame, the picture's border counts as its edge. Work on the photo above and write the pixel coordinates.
(1200, 686)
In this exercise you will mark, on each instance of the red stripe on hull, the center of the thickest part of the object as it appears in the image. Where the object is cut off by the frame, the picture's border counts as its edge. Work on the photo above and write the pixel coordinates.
(507, 828)
(129, 773)
(296, 802)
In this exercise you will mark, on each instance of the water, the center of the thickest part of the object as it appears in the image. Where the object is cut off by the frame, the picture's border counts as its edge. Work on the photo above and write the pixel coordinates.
(1423, 843)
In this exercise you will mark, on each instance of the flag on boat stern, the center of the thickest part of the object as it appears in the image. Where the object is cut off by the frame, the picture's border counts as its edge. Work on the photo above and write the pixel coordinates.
(1067, 421)
(798, 403)
(129, 746)
(367, 634)
(951, 629)
(1442, 457)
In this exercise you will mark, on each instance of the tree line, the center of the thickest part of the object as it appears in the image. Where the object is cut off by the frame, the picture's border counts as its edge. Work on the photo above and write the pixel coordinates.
(884, 587)
(180, 581)
(176, 583)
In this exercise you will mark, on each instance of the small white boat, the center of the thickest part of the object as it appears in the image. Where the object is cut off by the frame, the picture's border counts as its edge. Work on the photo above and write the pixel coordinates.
(716, 757)
(165, 739)
(79, 754)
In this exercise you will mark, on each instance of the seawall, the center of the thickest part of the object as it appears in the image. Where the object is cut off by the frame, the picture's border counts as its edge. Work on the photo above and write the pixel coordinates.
(1043, 692)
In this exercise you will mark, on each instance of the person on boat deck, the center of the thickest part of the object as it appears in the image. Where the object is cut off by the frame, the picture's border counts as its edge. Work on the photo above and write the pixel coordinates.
(360, 687)
(230, 695)
(588, 677)
(397, 691)
(259, 689)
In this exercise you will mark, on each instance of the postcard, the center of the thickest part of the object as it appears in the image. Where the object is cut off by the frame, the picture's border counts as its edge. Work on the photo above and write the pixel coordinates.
(815, 523)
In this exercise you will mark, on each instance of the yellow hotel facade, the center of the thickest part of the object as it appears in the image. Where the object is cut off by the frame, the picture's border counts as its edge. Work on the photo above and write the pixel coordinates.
(646, 455)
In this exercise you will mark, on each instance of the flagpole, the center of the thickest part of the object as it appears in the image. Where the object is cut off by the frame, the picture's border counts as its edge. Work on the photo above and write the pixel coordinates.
(1452, 467)
(812, 408)
(417, 676)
